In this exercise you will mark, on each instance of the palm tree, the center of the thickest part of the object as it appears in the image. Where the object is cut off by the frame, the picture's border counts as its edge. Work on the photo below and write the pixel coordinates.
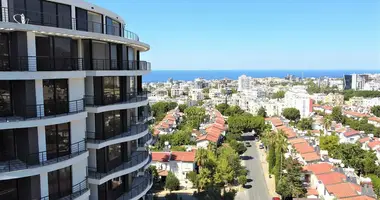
(268, 138)
(201, 157)
(281, 140)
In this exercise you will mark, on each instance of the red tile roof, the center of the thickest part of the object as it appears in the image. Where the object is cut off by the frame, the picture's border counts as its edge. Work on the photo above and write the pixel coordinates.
(311, 191)
(313, 156)
(362, 197)
(183, 156)
(297, 140)
(331, 178)
(327, 107)
(363, 140)
(375, 119)
(355, 114)
(275, 121)
(163, 173)
(342, 190)
(303, 148)
(319, 168)
(373, 144)
(351, 132)
(160, 156)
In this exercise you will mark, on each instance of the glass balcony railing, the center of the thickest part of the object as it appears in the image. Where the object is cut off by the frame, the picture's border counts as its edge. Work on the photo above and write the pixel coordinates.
(136, 158)
(44, 158)
(23, 16)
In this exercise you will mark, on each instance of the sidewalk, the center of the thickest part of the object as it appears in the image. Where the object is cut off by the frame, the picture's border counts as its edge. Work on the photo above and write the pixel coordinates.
(270, 181)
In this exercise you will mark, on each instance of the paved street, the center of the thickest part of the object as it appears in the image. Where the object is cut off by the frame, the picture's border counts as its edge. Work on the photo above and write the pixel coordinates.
(257, 188)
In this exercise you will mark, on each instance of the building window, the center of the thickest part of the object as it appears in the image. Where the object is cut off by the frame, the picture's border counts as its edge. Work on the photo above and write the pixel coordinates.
(55, 96)
(8, 189)
(7, 145)
(5, 99)
(111, 90)
(113, 27)
(58, 140)
(95, 22)
(116, 182)
(112, 123)
(114, 152)
(60, 183)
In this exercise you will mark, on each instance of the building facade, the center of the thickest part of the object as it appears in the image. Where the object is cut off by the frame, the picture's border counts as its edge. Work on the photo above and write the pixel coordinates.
(298, 98)
(73, 116)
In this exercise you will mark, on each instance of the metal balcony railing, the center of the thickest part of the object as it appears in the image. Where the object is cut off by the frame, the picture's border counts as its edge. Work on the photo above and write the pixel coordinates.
(139, 185)
(76, 191)
(43, 158)
(64, 21)
(39, 63)
(132, 130)
(111, 99)
(112, 64)
(52, 108)
(136, 158)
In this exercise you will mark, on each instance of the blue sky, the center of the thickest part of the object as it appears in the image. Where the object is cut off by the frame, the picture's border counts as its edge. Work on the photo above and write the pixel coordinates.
(255, 34)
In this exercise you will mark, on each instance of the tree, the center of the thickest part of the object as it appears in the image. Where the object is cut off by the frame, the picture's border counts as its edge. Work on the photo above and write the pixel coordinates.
(329, 143)
(206, 90)
(242, 123)
(290, 184)
(172, 182)
(336, 114)
(233, 110)
(305, 124)
(278, 95)
(261, 112)
(222, 107)
(201, 157)
(153, 170)
(237, 146)
(369, 165)
(182, 107)
(326, 123)
(160, 109)
(376, 110)
(242, 180)
(192, 177)
(205, 178)
(292, 114)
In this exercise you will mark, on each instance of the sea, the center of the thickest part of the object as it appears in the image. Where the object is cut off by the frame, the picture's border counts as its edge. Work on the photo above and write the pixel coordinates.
(188, 75)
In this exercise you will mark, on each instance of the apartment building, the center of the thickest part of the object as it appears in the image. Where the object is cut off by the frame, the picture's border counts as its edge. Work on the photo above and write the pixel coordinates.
(297, 97)
(73, 116)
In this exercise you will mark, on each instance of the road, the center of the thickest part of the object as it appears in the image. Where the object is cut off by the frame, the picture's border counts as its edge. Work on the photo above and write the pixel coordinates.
(257, 188)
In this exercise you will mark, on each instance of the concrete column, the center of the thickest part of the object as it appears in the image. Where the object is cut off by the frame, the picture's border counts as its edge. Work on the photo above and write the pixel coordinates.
(40, 98)
(73, 16)
(104, 24)
(80, 54)
(31, 44)
(41, 143)
(44, 182)
(76, 92)
(79, 173)
(78, 133)
(4, 10)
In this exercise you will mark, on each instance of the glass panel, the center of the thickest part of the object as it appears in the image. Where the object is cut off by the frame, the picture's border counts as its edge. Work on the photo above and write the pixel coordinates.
(49, 15)
(114, 152)
(114, 63)
(81, 19)
(117, 122)
(63, 139)
(116, 182)
(65, 181)
(108, 124)
(5, 99)
(33, 12)
(108, 92)
(64, 16)
(62, 52)
(61, 96)
(7, 148)
(8, 190)
(4, 51)
(51, 141)
(95, 22)
(116, 88)
(53, 184)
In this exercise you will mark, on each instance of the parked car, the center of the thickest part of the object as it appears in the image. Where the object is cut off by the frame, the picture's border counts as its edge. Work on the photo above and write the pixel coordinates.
(276, 198)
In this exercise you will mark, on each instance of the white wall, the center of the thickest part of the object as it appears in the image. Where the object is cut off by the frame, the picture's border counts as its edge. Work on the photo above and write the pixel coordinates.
(89, 89)
(78, 130)
(202, 144)
(92, 158)
(79, 172)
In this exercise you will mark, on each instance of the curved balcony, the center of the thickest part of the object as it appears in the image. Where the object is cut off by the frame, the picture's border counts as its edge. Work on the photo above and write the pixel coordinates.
(140, 186)
(52, 112)
(67, 26)
(104, 103)
(134, 132)
(80, 190)
(40, 67)
(36, 163)
(138, 160)
(110, 67)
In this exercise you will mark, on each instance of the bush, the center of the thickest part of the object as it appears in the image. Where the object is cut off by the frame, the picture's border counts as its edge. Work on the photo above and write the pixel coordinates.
(238, 147)
(172, 182)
